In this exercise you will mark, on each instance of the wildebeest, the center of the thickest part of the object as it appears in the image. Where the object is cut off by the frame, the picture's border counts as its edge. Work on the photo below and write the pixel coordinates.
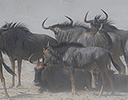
(43, 39)
(116, 36)
(20, 44)
(56, 77)
(75, 55)
(120, 82)
(51, 78)
(1, 74)
(69, 32)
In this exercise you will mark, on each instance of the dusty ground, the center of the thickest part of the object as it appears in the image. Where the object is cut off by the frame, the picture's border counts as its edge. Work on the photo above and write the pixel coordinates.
(32, 13)
(30, 92)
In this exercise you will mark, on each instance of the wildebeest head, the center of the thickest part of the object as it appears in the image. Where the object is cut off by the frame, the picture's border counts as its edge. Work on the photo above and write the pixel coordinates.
(50, 56)
(96, 23)
(55, 27)
(38, 69)
(4, 28)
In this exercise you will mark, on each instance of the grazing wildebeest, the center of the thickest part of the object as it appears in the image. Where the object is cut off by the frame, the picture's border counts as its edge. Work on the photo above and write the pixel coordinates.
(20, 44)
(1, 74)
(56, 77)
(75, 55)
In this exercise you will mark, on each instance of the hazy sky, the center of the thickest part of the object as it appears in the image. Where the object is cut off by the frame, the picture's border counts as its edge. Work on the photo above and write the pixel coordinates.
(33, 12)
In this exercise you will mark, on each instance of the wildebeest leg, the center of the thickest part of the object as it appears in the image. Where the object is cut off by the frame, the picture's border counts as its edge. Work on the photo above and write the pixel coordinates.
(19, 61)
(13, 69)
(3, 82)
(92, 75)
(103, 81)
(119, 62)
(72, 81)
(93, 80)
(109, 64)
(110, 79)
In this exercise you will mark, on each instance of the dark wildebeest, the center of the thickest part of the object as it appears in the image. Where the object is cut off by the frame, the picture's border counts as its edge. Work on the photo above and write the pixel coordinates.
(75, 55)
(51, 78)
(43, 39)
(56, 78)
(120, 82)
(1, 74)
(20, 44)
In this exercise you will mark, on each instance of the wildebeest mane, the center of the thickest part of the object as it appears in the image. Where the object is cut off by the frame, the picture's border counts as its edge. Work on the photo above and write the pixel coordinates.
(14, 25)
(68, 25)
(79, 24)
(72, 44)
(62, 25)
(108, 24)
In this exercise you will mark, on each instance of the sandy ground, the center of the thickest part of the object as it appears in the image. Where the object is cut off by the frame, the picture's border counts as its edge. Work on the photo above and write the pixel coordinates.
(30, 92)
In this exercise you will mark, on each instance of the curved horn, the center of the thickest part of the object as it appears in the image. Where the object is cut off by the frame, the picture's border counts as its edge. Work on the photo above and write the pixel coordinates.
(85, 19)
(30, 59)
(43, 24)
(105, 14)
(69, 19)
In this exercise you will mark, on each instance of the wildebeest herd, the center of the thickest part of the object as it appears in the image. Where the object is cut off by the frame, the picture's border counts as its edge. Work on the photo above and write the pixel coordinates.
(78, 57)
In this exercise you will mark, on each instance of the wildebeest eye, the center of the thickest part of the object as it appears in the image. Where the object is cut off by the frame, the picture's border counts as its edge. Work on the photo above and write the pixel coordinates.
(48, 49)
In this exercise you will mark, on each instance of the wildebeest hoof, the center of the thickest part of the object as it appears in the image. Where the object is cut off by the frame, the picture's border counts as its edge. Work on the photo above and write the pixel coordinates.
(18, 85)
(112, 93)
(6, 96)
(41, 90)
(11, 86)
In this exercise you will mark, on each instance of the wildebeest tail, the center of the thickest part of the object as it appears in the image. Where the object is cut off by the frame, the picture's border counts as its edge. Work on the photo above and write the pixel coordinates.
(125, 54)
(8, 69)
(115, 64)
